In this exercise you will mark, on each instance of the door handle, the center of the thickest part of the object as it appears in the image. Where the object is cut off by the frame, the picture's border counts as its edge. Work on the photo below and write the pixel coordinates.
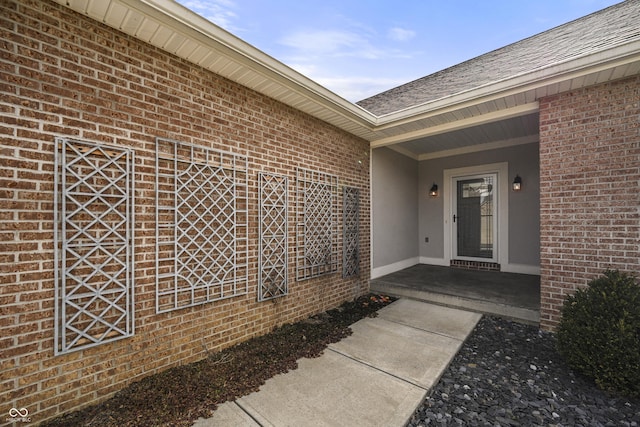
(454, 217)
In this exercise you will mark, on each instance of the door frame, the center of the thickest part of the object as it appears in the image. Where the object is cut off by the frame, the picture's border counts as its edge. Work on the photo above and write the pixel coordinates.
(502, 208)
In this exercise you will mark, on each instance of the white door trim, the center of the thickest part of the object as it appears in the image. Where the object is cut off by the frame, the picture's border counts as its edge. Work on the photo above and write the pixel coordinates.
(502, 170)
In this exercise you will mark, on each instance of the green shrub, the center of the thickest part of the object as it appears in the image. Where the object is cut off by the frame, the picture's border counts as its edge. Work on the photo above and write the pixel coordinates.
(599, 332)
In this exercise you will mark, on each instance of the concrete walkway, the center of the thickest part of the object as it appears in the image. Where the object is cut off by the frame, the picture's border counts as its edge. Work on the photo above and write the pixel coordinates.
(376, 377)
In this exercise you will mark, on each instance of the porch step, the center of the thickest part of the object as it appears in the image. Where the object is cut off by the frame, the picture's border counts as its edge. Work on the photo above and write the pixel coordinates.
(519, 314)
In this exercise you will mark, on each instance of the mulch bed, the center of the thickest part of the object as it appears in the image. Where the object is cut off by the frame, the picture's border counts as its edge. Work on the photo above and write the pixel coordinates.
(181, 395)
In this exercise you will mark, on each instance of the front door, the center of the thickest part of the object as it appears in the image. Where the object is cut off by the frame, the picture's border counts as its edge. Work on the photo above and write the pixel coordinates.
(474, 217)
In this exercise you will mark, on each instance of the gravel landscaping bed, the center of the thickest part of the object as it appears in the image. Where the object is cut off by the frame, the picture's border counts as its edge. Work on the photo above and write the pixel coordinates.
(509, 374)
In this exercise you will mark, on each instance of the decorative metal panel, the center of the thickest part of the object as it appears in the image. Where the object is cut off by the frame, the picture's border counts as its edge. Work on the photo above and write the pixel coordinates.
(350, 232)
(316, 238)
(273, 247)
(94, 217)
(201, 225)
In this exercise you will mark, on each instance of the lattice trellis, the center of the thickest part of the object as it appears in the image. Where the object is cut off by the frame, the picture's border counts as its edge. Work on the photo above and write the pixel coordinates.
(273, 247)
(201, 225)
(350, 232)
(316, 238)
(94, 217)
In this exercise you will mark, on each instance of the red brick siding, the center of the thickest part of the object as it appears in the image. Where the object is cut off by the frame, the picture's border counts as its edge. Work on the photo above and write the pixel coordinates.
(62, 74)
(589, 188)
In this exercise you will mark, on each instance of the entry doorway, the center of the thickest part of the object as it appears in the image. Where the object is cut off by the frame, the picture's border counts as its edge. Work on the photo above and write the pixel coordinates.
(476, 214)
(474, 217)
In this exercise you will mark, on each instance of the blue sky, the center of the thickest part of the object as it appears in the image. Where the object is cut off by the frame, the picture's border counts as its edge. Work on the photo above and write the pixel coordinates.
(358, 48)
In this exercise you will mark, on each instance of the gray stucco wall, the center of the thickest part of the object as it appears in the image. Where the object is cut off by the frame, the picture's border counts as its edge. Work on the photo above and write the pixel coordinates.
(394, 206)
(524, 206)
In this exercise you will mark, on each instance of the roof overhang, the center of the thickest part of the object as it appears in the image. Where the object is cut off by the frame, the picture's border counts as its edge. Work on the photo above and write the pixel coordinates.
(181, 32)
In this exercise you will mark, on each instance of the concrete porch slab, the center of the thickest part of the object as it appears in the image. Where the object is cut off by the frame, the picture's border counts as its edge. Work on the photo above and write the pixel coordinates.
(510, 295)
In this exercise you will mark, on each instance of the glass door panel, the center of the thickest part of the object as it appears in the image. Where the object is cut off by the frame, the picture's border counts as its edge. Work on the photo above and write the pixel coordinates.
(474, 217)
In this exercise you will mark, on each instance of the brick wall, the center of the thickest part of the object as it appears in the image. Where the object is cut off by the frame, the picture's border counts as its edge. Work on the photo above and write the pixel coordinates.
(62, 74)
(589, 193)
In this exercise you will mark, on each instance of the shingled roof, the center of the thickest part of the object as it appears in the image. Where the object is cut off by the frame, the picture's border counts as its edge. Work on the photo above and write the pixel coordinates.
(602, 30)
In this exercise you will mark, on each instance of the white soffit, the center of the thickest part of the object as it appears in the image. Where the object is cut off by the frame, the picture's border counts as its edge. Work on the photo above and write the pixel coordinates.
(179, 31)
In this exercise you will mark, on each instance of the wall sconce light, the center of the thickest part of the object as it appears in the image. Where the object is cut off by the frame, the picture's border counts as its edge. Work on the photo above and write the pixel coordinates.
(517, 183)
(433, 191)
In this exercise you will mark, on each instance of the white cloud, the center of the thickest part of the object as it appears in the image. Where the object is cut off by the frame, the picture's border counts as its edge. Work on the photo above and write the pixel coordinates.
(401, 34)
(336, 43)
(339, 58)
(306, 69)
(354, 88)
(220, 12)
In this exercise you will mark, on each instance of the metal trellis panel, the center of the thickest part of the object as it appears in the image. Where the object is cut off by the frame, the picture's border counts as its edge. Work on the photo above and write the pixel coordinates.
(93, 235)
(316, 237)
(201, 225)
(350, 232)
(273, 247)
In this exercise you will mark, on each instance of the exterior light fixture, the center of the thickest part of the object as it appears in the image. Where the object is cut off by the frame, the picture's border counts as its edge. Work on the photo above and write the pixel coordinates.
(517, 183)
(433, 191)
